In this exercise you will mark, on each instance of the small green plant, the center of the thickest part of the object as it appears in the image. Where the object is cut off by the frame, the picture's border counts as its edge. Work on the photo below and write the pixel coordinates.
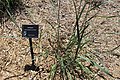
(70, 61)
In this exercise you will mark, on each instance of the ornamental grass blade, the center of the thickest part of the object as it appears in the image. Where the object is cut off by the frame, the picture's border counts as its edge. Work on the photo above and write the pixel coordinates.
(8, 4)
(69, 75)
(63, 69)
(82, 67)
(12, 19)
(83, 44)
(53, 71)
(104, 69)
(84, 58)
(80, 14)
(72, 42)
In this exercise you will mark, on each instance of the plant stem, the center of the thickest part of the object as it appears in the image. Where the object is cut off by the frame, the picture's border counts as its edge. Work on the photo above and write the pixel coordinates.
(58, 29)
(78, 36)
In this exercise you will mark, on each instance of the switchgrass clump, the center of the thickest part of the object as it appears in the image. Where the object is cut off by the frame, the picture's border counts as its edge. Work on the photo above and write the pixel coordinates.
(71, 63)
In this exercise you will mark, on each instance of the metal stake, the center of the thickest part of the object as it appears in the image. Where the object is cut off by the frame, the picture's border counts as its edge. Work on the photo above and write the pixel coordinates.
(31, 49)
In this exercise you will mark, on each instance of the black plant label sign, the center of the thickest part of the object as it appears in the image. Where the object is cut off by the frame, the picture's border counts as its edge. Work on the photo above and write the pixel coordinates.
(30, 31)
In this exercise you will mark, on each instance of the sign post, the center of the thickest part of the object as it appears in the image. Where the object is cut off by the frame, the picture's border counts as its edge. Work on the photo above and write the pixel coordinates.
(32, 53)
(30, 31)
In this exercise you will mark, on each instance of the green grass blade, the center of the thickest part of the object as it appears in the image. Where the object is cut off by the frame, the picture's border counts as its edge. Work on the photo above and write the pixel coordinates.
(11, 17)
(69, 75)
(104, 69)
(75, 7)
(84, 58)
(63, 67)
(71, 42)
(82, 67)
(53, 71)
(80, 14)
